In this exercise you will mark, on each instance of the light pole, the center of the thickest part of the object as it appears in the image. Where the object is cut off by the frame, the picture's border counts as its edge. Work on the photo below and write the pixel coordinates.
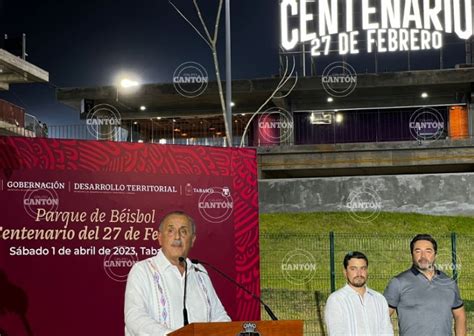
(127, 84)
(228, 68)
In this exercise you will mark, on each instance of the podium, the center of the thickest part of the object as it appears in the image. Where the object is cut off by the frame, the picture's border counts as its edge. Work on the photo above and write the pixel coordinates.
(244, 328)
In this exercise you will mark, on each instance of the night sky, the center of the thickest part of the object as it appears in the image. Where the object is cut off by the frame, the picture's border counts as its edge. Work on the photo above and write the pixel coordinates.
(87, 43)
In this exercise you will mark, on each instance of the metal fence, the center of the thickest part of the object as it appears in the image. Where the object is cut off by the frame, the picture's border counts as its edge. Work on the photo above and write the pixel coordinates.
(11, 114)
(298, 272)
(139, 132)
(30, 127)
(301, 128)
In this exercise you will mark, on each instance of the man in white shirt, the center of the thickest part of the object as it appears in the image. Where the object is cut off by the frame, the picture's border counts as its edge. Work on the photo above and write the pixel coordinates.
(355, 309)
(155, 286)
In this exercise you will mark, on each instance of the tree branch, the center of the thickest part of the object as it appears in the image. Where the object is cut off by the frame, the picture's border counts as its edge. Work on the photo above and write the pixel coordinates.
(212, 43)
(190, 23)
(198, 10)
(282, 82)
(218, 19)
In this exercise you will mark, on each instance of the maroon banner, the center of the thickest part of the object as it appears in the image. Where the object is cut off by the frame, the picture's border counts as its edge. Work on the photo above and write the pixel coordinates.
(76, 215)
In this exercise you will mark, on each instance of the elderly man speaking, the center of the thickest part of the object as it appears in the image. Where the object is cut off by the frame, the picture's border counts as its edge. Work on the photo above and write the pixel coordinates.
(155, 286)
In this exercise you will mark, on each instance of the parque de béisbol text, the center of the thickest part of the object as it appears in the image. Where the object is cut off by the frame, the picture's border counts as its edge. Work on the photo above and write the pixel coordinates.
(388, 25)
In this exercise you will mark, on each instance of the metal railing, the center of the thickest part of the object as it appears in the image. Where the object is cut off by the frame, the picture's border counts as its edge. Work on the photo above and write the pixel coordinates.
(376, 126)
(11, 114)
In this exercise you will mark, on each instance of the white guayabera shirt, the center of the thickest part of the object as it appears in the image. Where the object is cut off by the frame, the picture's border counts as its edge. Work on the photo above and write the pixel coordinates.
(154, 298)
(348, 314)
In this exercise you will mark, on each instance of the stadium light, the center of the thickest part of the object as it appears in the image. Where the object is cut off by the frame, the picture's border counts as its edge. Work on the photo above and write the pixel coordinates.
(128, 83)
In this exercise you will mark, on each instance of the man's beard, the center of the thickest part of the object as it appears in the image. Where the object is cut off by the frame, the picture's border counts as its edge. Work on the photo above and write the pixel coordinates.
(360, 283)
(424, 265)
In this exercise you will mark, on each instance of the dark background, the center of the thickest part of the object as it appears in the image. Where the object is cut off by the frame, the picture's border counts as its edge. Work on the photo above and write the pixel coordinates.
(88, 43)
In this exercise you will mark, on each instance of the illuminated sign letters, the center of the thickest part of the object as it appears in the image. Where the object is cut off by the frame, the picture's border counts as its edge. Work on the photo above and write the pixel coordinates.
(385, 25)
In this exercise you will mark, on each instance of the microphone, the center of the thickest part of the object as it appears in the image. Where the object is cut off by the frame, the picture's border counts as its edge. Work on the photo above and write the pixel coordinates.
(267, 309)
(185, 311)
